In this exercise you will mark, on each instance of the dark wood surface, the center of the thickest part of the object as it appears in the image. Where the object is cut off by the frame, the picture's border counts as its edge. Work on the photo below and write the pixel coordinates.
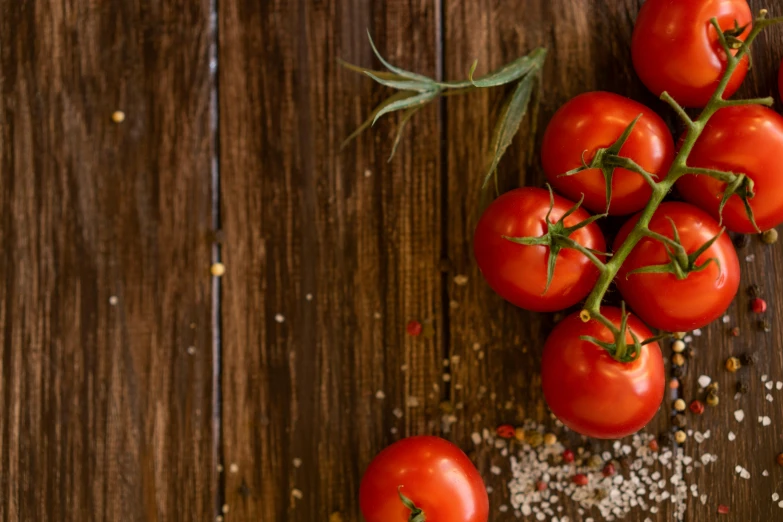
(300, 369)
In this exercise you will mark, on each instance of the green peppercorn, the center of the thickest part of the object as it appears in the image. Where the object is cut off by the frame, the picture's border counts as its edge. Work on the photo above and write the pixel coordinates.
(712, 399)
(680, 421)
(754, 291)
(678, 372)
(764, 325)
(770, 236)
(749, 358)
(742, 386)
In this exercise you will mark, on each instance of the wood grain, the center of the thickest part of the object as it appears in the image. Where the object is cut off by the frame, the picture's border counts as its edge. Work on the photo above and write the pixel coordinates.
(361, 237)
(104, 414)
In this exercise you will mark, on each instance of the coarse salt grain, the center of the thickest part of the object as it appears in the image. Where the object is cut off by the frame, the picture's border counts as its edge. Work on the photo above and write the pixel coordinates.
(495, 470)
(233, 468)
(476, 438)
(765, 473)
(764, 378)
(380, 395)
(779, 385)
(297, 462)
(296, 493)
(732, 436)
(397, 412)
(769, 397)
(766, 421)
(750, 257)
(769, 385)
(775, 497)
(503, 508)
(739, 415)
(280, 318)
(726, 319)
(704, 381)
(697, 332)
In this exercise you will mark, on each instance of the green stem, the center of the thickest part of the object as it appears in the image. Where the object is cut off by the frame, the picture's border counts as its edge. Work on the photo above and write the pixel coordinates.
(678, 168)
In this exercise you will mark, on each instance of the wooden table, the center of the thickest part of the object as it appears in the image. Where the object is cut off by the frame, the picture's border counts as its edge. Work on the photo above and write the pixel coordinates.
(130, 377)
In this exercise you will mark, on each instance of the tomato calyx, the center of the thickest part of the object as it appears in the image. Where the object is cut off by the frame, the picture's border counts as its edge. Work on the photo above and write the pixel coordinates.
(607, 159)
(621, 350)
(680, 262)
(417, 515)
(742, 187)
(557, 238)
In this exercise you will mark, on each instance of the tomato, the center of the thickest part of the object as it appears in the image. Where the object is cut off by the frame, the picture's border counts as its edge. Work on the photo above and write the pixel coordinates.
(746, 139)
(595, 120)
(664, 301)
(519, 272)
(676, 49)
(591, 392)
(433, 473)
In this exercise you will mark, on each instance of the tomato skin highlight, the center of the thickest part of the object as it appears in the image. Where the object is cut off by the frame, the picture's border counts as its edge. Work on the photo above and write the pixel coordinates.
(595, 120)
(434, 473)
(592, 393)
(746, 139)
(663, 301)
(675, 48)
(518, 272)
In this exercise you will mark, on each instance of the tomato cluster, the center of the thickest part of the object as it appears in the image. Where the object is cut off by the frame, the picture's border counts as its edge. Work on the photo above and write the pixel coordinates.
(680, 271)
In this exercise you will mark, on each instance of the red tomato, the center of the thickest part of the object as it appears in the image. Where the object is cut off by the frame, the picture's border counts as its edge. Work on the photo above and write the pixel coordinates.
(433, 473)
(746, 139)
(595, 120)
(676, 49)
(518, 272)
(664, 301)
(591, 392)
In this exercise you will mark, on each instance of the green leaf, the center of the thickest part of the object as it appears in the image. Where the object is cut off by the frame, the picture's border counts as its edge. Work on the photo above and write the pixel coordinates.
(397, 70)
(404, 85)
(511, 71)
(413, 101)
(403, 121)
(388, 101)
(362, 70)
(511, 115)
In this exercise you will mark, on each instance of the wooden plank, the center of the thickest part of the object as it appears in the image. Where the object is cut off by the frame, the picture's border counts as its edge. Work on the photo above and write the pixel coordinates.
(497, 379)
(104, 262)
(328, 255)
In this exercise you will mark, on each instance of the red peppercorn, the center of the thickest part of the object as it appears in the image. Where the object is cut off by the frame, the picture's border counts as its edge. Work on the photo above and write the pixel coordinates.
(653, 445)
(413, 328)
(505, 431)
(608, 470)
(723, 510)
(580, 479)
(758, 305)
(540, 485)
(697, 407)
(568, 456)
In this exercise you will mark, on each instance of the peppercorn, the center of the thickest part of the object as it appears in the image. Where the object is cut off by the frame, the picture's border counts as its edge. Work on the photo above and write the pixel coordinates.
(690, 352)
(723, 509)
(764, 325)
(733, 364)
(580, 479)
(678, 372)
(600, 494)
(678, 346)
(680, 437)
(780, 459)
(758, 305)
(505, 431)
(595, 461)
(679, 405)
(697, 407)
(678, 359)
(519, 434)
(754, 291)
(742, 387)
(712, 399)
(608, 470)
(549, 439)
(540, 485)
(749, 358)
(665, 439)
(534, 438)
(741, 241)
(674, 384)
(735, 331)
(713, 387)
(568, 456)
(680, 421)
(653, 445)
(770, 236)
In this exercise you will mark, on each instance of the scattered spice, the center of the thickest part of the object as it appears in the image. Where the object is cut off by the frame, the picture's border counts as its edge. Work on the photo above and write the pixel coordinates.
(754, 291)
(749, 358)
(595, 462)
(118, 116)
(770, 236)
(742, 386)
(741, 241)
(678, 372)
(697, 407)
(678, 359)
(580, 479)
(679, 405)
(735, 331)
(674, 384)
(723, 509)
(280, 318)
(505, 431)
(758, 305)
(733, 364)
(608, 470)
(690, 352)
(519, 434)
(680, 421)
(680, 437)
(779, 459)
(540, 485)
(413, 328)
(653, 445)
(568, 456)
(217, 269)
(678, 346)
(712, 387)
(534, 438)
(704, 381)
(712, 399)
(764, 325)
(665, 439)
(550, 439)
